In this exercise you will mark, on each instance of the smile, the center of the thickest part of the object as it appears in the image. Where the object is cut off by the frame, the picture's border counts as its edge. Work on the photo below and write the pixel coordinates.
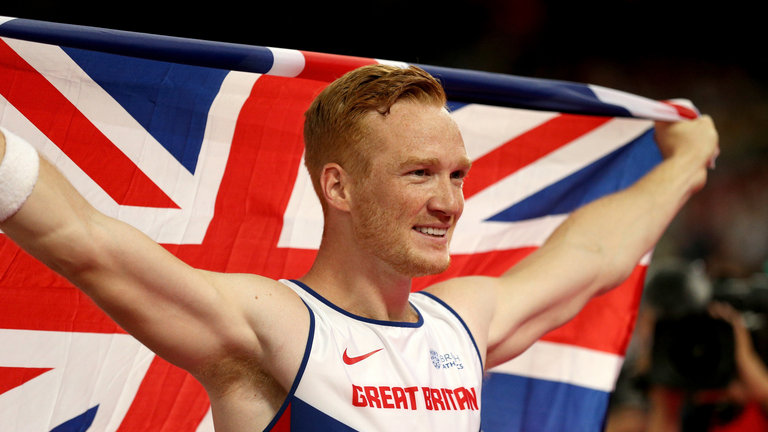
(434, 232)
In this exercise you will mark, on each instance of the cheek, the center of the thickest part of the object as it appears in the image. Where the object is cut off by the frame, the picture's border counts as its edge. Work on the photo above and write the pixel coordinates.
(397, 198)
(409, 205)
(393, 201)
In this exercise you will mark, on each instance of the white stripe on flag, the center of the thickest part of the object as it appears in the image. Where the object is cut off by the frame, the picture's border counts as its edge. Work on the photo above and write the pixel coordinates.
(638, 106)
(98, 106)
(476, 234)
(195, 194)
(87, 369)
(553, 167)
(570, 364)
(286, 62)
(206, 425)
(485, 127)
(399, 64)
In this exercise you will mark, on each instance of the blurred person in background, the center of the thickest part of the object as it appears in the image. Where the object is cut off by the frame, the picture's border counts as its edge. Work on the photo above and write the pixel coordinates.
(696, 361)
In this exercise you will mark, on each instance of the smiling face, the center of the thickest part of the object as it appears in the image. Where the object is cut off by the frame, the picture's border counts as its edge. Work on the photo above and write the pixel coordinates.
(404, 211)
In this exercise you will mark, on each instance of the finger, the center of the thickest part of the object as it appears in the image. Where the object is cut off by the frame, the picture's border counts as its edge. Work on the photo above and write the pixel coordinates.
(712, 162)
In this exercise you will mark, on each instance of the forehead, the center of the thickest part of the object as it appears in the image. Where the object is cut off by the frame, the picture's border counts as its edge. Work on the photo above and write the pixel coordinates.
(415, 130)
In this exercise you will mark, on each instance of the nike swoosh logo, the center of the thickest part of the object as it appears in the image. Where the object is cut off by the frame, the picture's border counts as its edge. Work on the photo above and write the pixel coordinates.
(352, 360)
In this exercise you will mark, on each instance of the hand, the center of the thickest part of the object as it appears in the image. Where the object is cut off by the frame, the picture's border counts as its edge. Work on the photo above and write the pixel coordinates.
(729, 314)
(696, 138)
(691, 146)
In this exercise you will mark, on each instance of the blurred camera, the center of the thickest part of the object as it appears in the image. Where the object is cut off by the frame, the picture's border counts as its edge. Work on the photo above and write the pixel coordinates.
(691, 349)
(693, 352)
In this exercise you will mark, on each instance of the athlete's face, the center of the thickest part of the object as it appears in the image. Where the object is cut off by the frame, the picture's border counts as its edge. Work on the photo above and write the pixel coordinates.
(405, 210)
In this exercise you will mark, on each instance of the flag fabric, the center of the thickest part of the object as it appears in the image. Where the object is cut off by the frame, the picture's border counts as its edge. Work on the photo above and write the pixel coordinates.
(199, 145)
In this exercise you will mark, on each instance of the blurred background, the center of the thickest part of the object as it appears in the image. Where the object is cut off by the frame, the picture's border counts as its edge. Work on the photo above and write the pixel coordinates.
(711, 54)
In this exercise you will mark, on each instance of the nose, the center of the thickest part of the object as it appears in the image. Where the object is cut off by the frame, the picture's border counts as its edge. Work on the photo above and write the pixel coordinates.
(447, 198)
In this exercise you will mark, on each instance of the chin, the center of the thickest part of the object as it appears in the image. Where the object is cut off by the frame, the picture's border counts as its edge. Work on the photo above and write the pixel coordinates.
(419, 266)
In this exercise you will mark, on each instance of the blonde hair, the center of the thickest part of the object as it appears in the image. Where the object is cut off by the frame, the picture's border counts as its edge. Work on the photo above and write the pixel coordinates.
(333, 129)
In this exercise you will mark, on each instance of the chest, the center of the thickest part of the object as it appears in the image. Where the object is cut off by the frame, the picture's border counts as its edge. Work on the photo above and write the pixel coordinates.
(382, 377)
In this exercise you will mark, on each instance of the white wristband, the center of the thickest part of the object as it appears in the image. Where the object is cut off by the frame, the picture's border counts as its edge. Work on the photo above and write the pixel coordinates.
(18, 174)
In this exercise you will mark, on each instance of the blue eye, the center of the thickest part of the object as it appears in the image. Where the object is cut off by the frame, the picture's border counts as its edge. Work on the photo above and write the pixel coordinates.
(419, 172)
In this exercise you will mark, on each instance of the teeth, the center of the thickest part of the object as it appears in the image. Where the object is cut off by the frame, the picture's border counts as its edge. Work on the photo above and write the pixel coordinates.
(437, 232)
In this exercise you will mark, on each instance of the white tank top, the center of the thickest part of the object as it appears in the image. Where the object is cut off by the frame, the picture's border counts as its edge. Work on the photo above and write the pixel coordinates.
(360, 374)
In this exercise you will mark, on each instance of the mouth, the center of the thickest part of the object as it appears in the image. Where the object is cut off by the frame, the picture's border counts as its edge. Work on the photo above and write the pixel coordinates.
(432, 232)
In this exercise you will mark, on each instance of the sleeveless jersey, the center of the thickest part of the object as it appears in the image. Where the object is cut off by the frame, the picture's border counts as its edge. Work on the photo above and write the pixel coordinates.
(360, 374)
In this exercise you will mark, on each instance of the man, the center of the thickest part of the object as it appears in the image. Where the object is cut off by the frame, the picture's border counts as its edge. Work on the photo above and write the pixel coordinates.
(349, 340)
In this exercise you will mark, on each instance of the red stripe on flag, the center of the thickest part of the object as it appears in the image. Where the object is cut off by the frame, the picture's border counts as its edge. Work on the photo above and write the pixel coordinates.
(168, 400)
(527, 148)
(262, 167)
(254, 193)
(283, 423)
(328, 67)
(493, 263)
(12, 377)
(264, 161)
(40, 102)
(683, 111)
(606, 322)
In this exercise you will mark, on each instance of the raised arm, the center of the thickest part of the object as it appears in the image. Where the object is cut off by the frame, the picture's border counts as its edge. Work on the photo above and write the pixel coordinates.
(190, 317)
(594, 250)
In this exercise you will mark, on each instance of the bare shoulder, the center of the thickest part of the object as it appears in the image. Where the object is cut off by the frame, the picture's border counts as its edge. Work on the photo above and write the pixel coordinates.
(473, 298)
(464, 291)
(275, 317)
(270, 307)
(251, 287)
(249, 379)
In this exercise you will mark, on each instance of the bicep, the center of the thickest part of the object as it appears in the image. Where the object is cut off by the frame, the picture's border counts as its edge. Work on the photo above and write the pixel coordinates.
(169, 306)
(177, 311)
(504, 314)
(195, 319)
(541, 293)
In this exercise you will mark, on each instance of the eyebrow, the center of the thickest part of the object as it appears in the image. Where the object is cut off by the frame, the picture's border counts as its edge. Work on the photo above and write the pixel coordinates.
(417, 161)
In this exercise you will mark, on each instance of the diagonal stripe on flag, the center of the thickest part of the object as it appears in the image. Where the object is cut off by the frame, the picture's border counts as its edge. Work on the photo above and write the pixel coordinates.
(527, 148)
(150, 409)
(65, 125)
(12, 377)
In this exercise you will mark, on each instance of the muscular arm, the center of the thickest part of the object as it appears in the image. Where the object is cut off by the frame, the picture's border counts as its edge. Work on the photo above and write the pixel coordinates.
(190, 317)
(594, 250)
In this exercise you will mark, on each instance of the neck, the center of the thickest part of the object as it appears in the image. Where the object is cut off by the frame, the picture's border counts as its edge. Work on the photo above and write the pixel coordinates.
(360, 285)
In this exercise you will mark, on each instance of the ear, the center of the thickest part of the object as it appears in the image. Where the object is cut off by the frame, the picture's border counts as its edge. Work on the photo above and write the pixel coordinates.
(335, 184)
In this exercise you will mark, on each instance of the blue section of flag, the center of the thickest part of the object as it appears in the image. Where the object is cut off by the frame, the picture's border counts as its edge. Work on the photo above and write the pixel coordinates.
(460, 84)
(608, 174)
(521, 92)
(307, 417)
(80, 423)
(517, 404)
(171, 101)
(173, 49)
(454, 105)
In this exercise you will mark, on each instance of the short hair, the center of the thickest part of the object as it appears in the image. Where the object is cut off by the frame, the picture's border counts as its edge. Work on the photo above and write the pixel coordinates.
(333, 130)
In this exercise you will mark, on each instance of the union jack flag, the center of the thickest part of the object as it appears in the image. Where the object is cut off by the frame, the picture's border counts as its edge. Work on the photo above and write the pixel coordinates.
(199, 145)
